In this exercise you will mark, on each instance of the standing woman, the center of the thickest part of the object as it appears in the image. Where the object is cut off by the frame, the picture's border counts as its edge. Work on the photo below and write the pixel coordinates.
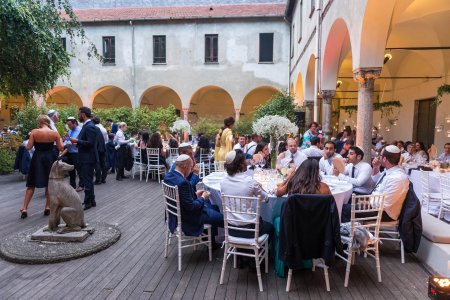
(43, 139)
(121, 147)
(224, 140)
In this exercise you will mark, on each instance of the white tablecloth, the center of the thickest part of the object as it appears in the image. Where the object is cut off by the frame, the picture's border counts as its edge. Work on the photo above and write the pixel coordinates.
(341, 190)
(434, 187)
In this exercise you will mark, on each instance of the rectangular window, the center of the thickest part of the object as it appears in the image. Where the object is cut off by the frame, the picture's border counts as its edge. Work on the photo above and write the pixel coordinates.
(300, 21)
(313, 7)
(159, 49)
(211, 48)
(292, 39)
(109, 50)
(63, 43)
(266, 47)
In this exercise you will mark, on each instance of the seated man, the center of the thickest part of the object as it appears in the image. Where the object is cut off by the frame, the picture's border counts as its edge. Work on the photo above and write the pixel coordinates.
(196, 210)
(357, 172)
(408, 156)
(241, 144)
(313, 150)
(326, 162)
(445, 157)
(392, 181)
(291, 156)
(193, 177)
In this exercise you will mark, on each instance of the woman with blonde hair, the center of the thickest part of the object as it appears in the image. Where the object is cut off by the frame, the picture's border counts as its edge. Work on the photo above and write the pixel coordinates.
(224, 140)
(43, 139)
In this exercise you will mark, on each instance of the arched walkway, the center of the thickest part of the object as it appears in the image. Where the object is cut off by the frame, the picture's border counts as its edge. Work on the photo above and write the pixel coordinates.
(299, 91)
(9, 108)
(160, 96)
(255, 98)
(310, 78)
(62, 96)
(110, 96)
(211, 102)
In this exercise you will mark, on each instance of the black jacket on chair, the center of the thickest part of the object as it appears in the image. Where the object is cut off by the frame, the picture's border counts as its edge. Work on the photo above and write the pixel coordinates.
(309, 228)
(410, 221)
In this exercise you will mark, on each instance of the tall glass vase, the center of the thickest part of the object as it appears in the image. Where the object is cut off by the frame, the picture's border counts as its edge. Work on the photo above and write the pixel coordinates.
(273, 152)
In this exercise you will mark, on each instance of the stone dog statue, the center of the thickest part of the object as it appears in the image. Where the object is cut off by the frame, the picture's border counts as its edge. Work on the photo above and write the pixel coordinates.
(64, 201)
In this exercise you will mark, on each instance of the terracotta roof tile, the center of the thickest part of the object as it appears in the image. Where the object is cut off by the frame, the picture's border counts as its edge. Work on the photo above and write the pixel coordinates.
(181, 12)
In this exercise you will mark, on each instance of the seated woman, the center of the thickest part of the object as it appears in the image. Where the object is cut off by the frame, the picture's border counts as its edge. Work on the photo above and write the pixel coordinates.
(203, 143)
(306, 180)
(156, 142)
(142, 144)
(237, 183)
(262, 149)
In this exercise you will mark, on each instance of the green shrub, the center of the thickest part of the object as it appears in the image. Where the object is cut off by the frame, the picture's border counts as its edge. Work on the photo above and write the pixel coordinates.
(243, 126)
(281, 104)
(206, 126)
(7, 158)
(26, 118)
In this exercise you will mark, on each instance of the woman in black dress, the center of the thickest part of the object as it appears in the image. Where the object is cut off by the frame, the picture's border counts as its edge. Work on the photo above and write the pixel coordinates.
(43, 139)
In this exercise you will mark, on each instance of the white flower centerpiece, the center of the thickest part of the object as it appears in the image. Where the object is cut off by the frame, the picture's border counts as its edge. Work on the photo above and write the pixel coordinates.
(181, 126)
(274, 127)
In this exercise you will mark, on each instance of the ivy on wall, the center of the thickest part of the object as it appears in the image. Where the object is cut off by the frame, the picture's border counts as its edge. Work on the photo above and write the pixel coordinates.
(386, 108)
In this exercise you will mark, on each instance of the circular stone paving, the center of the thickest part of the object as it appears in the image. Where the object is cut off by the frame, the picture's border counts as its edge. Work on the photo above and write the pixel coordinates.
(19, 247)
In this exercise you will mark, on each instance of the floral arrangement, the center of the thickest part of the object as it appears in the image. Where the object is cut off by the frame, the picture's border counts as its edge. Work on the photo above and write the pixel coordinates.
(181, 126)
(274, 127)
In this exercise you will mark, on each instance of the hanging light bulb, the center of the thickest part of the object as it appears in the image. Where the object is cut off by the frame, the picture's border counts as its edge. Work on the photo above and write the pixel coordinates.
(439, 128)
(447, 119)
(395, 122)
(448, 133)
(388, 128)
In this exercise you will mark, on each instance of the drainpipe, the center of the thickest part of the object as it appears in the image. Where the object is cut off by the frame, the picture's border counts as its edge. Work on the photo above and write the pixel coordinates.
(317, 81)
(133, 69)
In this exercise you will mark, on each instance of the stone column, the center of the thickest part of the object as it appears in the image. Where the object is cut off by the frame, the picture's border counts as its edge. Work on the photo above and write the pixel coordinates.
(365, 78)
(327, 96)
(309, 105)
(237, 114)
(185, 113)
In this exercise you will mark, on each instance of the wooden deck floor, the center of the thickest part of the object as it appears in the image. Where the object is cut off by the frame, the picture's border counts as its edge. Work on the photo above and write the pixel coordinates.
(134, 268)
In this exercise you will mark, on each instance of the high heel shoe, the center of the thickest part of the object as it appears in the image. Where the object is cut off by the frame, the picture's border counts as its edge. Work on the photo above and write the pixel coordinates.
(46, 211)
(24, 214)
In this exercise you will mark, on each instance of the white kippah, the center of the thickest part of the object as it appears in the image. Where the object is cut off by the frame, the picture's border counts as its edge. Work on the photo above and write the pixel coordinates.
(183, 157)
(360, 149)
(392, 149)
(183, 145)
(229, 158)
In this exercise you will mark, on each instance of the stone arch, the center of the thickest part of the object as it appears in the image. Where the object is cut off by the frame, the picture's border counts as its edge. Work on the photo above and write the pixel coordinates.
(310, 78)
(160, 96)
(337, 48)
(256, 97)
(63, 96)
(110, 96)
(9, 108)
(373, 35)
(299, 90)
(211, 102)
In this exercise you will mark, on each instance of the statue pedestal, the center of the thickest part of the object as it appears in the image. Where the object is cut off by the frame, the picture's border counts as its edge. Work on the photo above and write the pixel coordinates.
(68, 237)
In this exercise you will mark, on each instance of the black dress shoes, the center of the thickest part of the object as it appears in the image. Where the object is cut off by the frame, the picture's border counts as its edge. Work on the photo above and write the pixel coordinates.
(87, 206)
(119, 178)
(97, 183)
(103, 181)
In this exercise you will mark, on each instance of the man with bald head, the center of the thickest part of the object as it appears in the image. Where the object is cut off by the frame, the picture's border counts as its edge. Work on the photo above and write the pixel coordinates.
(291, 156)
(196, 209)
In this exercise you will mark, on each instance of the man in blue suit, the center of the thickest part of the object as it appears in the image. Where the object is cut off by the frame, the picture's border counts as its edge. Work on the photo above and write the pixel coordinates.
(193, 178)
(196, 209)
(87, 155)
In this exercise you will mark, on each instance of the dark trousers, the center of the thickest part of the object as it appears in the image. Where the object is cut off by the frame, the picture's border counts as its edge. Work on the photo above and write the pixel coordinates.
(87, 178)
(101, 171)
(346, 215)
(72, 159)
(212, 215)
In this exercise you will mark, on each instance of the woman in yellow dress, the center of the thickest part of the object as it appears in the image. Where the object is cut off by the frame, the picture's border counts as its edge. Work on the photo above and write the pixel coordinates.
(224, 140)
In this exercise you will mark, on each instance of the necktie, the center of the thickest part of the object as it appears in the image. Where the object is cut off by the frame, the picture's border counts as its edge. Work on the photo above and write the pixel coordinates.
(379, 181)
(353, 172)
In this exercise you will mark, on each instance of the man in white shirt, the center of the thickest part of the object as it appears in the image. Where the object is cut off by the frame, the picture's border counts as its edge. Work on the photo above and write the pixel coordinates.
(408, 156)
(292, 155)
(54, 118)
(444, 157)
(241, 144)
(251, 147)
(357, 172)
(313, 150)
(326, 162)
(392, 181)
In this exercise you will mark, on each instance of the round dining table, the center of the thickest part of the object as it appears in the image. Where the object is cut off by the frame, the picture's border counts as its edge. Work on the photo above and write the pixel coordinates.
(341, 190)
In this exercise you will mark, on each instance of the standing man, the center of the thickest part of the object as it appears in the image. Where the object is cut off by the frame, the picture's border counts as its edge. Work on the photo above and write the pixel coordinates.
(100, 167)
(112, 126)
(357, 172)
(87, 155)
(72, 151)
